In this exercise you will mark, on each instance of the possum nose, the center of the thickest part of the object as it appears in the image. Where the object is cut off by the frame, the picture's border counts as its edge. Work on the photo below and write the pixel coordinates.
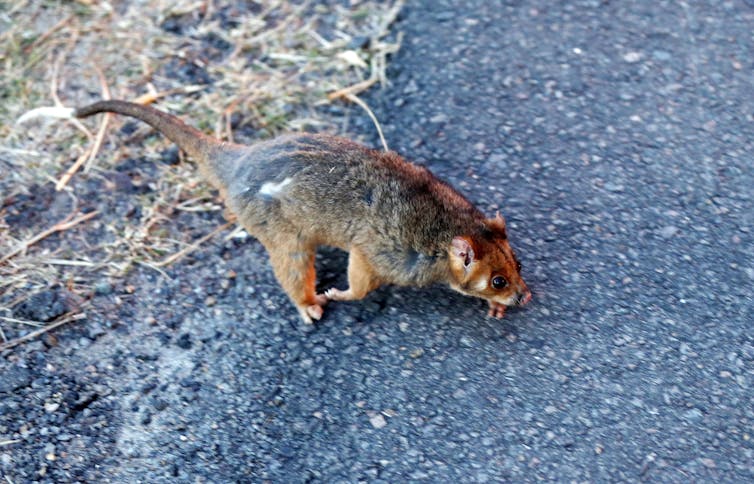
(523, 297)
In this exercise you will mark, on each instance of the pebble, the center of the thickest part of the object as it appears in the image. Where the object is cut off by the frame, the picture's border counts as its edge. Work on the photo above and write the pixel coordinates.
(103, 288)
(51, 407)
(632, 57)
(693, 415)
(184, 341)
(668, 231)
(378, 421)
(417, 353)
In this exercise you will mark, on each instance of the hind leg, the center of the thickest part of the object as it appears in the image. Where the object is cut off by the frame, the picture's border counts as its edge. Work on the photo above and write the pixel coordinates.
(293, 263)
(362, 279)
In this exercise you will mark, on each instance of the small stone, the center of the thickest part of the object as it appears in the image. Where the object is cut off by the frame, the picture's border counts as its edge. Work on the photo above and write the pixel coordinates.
(411, 87)
(684, 348)
(668, 231)
(632, 57)
(417, 353)
(614, 187)
(693, 415)
(103, 288)
(51, 407)
(378, 421)
(184, 341)
(466, 342)
(95, 330)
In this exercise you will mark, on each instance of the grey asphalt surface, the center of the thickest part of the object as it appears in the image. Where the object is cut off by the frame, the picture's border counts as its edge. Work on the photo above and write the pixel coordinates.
(618, 140)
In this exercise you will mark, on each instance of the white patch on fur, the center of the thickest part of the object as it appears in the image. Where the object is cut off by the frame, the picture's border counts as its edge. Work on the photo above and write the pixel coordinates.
(271, 189)
(48, 112)
(481, 285)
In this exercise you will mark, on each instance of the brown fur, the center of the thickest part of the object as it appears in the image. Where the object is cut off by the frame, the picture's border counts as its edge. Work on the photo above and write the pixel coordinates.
(399, 223)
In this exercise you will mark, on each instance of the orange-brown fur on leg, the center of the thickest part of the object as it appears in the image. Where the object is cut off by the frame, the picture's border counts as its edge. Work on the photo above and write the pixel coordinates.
(293, 263)
(362, 278)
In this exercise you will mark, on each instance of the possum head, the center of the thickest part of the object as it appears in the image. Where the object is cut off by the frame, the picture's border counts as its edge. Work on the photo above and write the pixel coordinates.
(484, 265)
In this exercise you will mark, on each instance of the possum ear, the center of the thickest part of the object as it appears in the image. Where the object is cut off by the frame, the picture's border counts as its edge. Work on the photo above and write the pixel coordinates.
(462, 249)
(497, 225)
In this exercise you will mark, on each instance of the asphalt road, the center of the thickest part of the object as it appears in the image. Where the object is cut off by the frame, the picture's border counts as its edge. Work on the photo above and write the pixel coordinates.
(616, 138)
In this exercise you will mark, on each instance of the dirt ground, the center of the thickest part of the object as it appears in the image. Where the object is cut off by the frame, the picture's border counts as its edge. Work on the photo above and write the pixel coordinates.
(84, 204)
(98, 217)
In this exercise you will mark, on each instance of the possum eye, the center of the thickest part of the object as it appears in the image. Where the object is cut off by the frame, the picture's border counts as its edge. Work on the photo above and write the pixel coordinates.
(499, 282)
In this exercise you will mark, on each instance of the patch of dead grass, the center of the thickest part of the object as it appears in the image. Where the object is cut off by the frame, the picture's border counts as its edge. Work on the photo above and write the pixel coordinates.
(240, 70)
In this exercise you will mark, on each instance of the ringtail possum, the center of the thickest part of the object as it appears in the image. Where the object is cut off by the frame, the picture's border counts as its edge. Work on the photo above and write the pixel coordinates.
(399, 223)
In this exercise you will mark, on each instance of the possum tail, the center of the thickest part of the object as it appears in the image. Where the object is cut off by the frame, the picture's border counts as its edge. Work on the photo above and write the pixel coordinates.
(211, 154)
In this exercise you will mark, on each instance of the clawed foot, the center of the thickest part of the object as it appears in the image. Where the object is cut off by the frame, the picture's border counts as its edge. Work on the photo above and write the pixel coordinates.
(310, 313)
(334, 294)
(497, 310)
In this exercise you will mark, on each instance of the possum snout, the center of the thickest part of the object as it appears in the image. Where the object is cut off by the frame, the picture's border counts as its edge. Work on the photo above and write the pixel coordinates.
(523, 297)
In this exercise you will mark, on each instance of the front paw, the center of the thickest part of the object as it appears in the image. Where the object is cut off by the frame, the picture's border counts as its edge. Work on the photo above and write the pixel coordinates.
(497, 310)
(310, 313)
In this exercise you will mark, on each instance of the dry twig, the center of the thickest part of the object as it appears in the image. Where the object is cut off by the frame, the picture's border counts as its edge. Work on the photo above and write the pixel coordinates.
(365, 107)
(65, 224)
(66, 318)
(184, 252)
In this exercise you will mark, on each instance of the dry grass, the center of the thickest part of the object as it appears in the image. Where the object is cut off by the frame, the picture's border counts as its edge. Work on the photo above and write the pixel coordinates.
(239, 70)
